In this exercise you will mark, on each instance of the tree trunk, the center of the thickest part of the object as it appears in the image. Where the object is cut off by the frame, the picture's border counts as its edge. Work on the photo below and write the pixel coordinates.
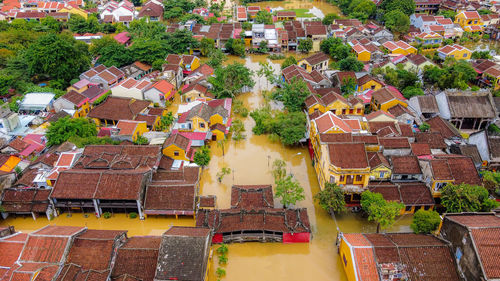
(378, 227)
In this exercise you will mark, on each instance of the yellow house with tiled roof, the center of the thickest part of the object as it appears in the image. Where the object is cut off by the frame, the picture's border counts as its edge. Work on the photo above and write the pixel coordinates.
(470, 21)
(74, 11)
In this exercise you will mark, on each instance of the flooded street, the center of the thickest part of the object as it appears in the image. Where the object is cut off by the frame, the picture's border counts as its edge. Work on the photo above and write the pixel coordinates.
(250, 160)
(324, 6)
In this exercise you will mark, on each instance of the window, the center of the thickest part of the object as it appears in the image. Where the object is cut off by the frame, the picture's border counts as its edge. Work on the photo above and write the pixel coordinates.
(342, 178)
(465, 55)
(176, 153)
(359, 178)
(343, 111)
(332, 179)
(373, 87)
(202, 125)
(358, 110)
(408, 209)
(351, 111)
(345, 260)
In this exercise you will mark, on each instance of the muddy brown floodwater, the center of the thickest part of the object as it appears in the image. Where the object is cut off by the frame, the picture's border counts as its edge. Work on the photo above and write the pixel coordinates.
(250, 159)
(324, 6)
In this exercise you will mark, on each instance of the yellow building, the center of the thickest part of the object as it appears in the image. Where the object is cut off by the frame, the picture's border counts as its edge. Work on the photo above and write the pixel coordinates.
(380, 168)
(219, 132)
(454, 51)
(131, 129)
(334, 103)
(285, 15)
(74, 11)
(399, 48)
(195, 91)
(190, 63)
(364, 52)
(73, 101)
(470, 21)
(358, 258)
(79, 86)
(491, 77)
(352, 173)
(177, 147)
(386, 98)
(319, 61)
(369, 82)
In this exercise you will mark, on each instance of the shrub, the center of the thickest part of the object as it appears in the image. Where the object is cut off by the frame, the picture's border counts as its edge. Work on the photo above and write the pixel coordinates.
(102, 98)
(132, 215)
(106, 215)
(220, 272)
(425, 221)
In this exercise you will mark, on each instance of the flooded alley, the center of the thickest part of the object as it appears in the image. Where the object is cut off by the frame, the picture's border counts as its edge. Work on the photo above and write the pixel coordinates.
(250, 160)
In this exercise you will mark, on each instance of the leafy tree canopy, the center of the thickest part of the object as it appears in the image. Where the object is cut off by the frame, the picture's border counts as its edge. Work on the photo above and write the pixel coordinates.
(405, 6)
(425, 221)
(263, 16)
(379, 210)
(397, 21)
(290, 60)
(292, 94)
(331, 198)
(230, 80)
(202, 156)
(457, 198)
(350, 64)
(289, 127)
(289, 191)
(58, 57)
(305, 45)
(64, 128)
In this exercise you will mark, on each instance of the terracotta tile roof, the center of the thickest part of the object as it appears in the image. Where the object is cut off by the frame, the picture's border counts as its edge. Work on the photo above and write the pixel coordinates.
(405, 165)
(25, 200)
(94, 249)
(463, 169)
(11, 250)
(366, 139)
(434, 139)
(174, 59)
(183, 176)
(389, 191)
(440, 169)
(415, 194)
(116, 109)
(230, 220)
(75, 98)
(183, 254)
(394, 143)
(420, 149)
(18, 144)
(357, 155)
(475, 220)
(44, 249)
(208, 201)
(179, 140)
(376, 159)
(317, 58)
(170, 199)
(252, 196)
(331, 138)
(119, 157)
(444, 127)
(100, 184)
(488, 248)
(138, 257)
(384, 95)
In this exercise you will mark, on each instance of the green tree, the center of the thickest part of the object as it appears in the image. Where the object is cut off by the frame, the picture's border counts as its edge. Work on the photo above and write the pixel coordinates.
(148, 51)
(216, 58)
(425, 221)
(290, 60)
(305, 45)
(58, 57)
(266, 70)
(52, 24)
(263, 47)
(77, 24)
(235, 47)
(329, 18)
(405, 6)
(289, 191)
(382, 212)
(207, 46)
(110, 52)
(424, 127)
(64, 128)
(141, 140)
(289, 127)
(350, 64)
(448, 14)
(348, 86)
(481, 55)
(231, 80)
(292, 94)
(223, 172)
(331, 198)
(202, 156)
(397, 21)
(457, 198)
(412, 91)
(264, 17)
(279, 170)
